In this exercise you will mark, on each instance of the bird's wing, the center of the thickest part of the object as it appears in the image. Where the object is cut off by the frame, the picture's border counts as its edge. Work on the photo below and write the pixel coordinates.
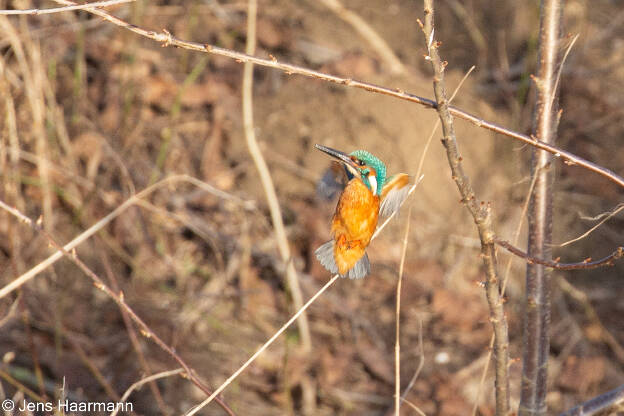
(393, 194)
(333, 181)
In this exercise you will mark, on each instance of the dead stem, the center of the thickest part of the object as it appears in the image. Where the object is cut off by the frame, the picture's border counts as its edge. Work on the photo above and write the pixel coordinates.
(267, 182)
(397, 343)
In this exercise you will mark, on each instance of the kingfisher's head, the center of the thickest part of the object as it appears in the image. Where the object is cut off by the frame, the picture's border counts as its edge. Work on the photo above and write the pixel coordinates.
(361, 164)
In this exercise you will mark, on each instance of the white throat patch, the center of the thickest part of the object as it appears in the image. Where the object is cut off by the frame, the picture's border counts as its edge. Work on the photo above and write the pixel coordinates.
(373, 183)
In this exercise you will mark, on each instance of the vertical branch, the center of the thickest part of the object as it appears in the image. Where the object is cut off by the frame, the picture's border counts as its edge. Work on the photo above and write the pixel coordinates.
(267, 181)
(481, 213)
(537, 303)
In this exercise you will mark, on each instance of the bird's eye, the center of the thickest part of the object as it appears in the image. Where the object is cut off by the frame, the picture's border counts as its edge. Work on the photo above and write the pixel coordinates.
(360, 162)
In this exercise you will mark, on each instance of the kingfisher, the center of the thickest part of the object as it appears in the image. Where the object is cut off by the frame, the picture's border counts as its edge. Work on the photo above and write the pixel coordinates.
(368, 194)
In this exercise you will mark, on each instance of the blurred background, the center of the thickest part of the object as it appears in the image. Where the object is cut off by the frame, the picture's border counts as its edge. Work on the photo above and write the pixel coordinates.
(92, 113)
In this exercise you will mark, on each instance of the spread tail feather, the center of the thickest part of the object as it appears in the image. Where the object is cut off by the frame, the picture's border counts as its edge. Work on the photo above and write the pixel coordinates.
(325, 255)
(360, 270)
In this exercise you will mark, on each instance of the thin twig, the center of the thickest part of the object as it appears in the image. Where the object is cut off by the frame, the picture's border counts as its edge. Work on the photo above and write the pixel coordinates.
(437, 122)
(481, 214)
(583, 265)
(117, 298)
(267, 182)
(65, 9)
(198, 407)
(414, 407)
(85, 235)
(29, 61)
(397, 343)
(605, 218)
(166, 39)
(140, 383)
(421, 163)
(419, 175)
(262, 348)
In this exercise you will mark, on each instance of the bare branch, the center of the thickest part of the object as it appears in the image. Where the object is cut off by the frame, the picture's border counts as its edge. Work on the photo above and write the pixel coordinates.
(583, 265)
(481, 214)
(35, 12)
(169, 40)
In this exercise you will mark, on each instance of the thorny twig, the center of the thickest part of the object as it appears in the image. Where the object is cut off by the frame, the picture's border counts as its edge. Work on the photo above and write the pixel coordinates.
(480, 212)
(117, 298)
(167, 39)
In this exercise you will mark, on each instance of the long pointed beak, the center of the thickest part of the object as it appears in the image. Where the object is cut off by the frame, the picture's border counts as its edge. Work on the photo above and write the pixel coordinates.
(341, 156)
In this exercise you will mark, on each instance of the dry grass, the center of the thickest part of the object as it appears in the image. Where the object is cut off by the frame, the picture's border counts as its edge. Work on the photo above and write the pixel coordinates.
(95, 123)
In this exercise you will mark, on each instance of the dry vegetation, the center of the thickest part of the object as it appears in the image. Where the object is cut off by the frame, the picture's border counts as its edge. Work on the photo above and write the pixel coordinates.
(91, 114)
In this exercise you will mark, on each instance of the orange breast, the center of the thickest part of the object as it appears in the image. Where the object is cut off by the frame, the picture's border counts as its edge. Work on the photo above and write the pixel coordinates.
(353, 224)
